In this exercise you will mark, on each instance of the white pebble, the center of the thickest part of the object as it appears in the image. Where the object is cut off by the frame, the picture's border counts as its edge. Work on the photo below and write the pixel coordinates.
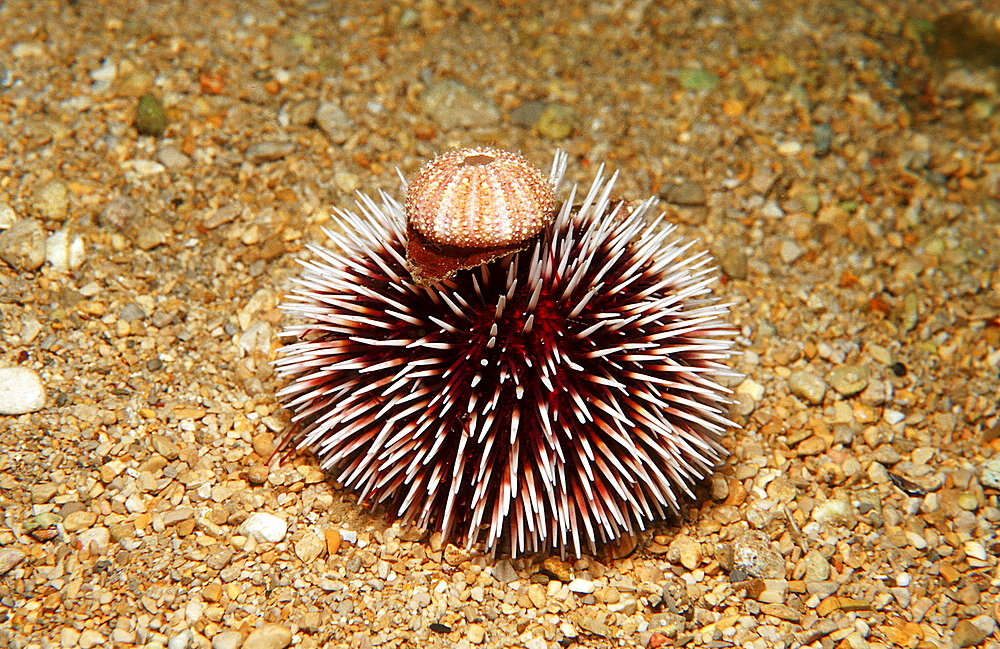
(751, 388)
(63, 252)
(265, 527)
(583, 586)
(7, 216)
(893, 417)
(976, 550)
(903, 580)
(21, 391)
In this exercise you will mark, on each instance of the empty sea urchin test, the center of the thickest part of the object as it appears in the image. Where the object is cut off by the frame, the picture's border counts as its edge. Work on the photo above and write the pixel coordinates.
(557, 397)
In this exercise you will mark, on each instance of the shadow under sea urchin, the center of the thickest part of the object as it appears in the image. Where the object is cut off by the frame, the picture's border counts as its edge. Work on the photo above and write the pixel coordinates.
(556, 398)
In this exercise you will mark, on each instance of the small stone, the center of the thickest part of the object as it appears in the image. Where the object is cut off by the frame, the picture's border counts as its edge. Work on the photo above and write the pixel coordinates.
(21, 391)
(9, 558)
(968, 634)
(89, 638)
(268, 151)
(686, 193)
(789, 251)
(817, 566)
(269, 636)
(173, 159)
(263, 444)
(808, 386)
(504, 572)
(755, 555)
(848, 380)
(122, 214)
(7, 216)
(582, 586)
(265, 527)
(309, 548)
(150, 116)
(333, 540)
(991, 473)
(685, 550)
(475, 634)
(219, 556)
(557, 569)
(227, 640)
(52, 200)
(180, 640)
(165, 447)
(536, 593)
(132, 312)
(886, 454)
(95, 539)
(834, 512)
(527, 113)
(68, 637)
(556, 121)
(732, 258)
(257, 474)
(22, 246)
(65, 252)
(453, 105)
(80, 520)
(43, 493)
(334, 122)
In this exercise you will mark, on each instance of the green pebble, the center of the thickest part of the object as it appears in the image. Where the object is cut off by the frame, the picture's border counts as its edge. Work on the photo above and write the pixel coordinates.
(150, 116)
(696, 79)
(557, 121)
(41, 521)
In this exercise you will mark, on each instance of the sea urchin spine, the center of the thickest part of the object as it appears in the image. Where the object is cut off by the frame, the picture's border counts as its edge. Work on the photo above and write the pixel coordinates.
(555, 398)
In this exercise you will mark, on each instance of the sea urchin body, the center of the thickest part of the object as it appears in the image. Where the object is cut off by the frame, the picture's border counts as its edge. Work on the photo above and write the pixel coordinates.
(556, 398)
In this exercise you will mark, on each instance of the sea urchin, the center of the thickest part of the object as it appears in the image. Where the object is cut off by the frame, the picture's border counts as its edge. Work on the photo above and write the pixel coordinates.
(553, 398)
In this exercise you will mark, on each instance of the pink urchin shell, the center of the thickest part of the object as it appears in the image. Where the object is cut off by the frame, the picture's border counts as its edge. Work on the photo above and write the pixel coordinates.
(555, 398)
(479, 198)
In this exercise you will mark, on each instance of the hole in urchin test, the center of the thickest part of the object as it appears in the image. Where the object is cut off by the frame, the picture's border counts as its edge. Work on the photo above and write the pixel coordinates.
(477, 160)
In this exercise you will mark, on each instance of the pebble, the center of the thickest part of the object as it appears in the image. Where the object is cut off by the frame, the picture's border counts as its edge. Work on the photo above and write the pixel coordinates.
(557, 121)
(755, 555)
(557, 569)
(21, 391)
(454, 105)
(475, 634)
(80, 520)
(52, 200)
(334, 122)
(732, 258)
(848, 380)
(173, 158)
(333, 539)
(95, 539)
(817, 566)
(685, 550)
(265, 527)
(180, 640)
(990, 473)
(9, 558)
(43, 492)
(834, 512)
(150, 116)
(685, 193)
(227, 640)
(7, 216)
(808, 386)
(268, 151)
(309, 547)
(65, 252)
(269, 636)
(89, 638)
(968, 634)
(504, 572)
(22, 245)
(582, 586)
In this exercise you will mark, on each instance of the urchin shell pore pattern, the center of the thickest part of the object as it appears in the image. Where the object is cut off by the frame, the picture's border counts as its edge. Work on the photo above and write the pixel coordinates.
(557, 398)
(479, 198)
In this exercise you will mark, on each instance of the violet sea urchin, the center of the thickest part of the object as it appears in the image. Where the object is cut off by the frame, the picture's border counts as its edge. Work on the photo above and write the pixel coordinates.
(554, 398)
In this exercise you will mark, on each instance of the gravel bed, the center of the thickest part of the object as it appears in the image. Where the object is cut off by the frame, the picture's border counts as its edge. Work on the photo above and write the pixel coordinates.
(162, 167)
